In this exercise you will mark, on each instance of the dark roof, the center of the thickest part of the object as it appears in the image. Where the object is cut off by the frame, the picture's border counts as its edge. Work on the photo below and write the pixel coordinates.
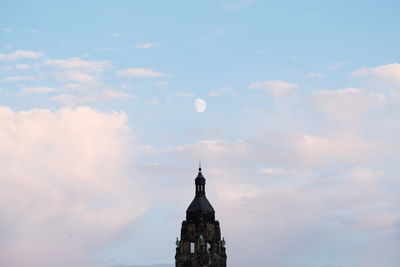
(200, 209)
(200, 204)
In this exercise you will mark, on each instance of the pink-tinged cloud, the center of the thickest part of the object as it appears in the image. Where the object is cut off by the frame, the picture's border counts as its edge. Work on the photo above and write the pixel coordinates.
(20, 78)
(65, 185)
(140, 72)
(388, 73)
(78, 63)
(348, 102)
(21, 54)
(276, 88)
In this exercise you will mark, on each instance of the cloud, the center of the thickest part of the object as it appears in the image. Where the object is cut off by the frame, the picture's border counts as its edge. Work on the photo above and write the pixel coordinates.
(140, 72)
(17, 67)
(65, 189)
(20, 78)
(323, 201)
(275, 88)
(212, 150)
(38, 89)
(171, 97)
(23, 67)
(147, 45)
(91, 96)
(348, 102)
(271, 171)
(72, 87)
(77, 63)
(21, 54)
(387, 73)
(77, 76)
(208, 133)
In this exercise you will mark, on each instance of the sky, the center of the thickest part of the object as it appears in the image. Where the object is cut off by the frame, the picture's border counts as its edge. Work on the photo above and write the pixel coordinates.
(101, 130)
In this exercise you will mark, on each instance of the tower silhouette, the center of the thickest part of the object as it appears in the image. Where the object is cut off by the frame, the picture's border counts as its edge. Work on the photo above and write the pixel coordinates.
(200, 244)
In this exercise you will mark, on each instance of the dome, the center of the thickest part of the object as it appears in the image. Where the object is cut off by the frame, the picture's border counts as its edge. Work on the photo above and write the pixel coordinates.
(200, 206)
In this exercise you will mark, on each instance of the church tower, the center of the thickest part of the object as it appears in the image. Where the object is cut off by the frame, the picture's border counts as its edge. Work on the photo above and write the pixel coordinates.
(201, 244)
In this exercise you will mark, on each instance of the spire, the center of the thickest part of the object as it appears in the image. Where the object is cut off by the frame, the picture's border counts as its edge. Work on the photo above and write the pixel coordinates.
(200, 206)
(200, 183)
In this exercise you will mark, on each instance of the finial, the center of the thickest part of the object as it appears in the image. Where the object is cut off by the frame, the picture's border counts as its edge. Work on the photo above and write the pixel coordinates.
(199, 165)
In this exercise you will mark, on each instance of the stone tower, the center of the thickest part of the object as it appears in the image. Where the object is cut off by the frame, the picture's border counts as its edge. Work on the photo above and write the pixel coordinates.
(201, 244)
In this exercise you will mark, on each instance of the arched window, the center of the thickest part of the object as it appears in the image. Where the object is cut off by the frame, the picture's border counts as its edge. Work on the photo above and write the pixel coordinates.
(192, 247)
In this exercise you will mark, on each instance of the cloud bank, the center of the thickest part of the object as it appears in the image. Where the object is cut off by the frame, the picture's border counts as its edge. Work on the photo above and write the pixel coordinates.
(65, 188)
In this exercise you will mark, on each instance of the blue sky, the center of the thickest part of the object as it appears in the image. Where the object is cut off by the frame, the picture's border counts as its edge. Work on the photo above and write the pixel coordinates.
(99, 139)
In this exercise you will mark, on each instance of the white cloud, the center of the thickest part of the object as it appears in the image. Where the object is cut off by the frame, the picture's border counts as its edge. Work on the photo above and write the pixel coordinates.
(147, 45)
(275, 88)
(91, 96)
(20, 54)
(348, 102)
(6, 68)
(16, 67)
(171, 97)
(38, 89)
(65, 185)
(291, 204)
(303, 150)
(72, 87)
(387, 73)
(271, 171)
(128, 86)
(78, 63)
(139, 72)
(22, 67)
(213, 150)
(20, 78)
(75, 75)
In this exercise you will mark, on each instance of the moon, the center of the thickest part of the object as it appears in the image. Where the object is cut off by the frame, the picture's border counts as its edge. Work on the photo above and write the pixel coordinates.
(199, 105)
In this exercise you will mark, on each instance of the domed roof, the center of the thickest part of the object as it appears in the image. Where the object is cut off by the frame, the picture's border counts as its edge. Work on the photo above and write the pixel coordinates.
(200, 203)
(200, 206)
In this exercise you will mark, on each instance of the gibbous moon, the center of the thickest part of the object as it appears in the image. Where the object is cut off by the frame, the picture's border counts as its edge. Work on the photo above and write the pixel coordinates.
(199, 105)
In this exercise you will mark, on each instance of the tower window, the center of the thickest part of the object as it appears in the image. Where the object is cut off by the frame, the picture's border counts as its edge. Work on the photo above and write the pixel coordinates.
(192, 246)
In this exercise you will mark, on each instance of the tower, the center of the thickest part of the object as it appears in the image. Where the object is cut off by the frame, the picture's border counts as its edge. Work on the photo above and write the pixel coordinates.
(200, 244)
